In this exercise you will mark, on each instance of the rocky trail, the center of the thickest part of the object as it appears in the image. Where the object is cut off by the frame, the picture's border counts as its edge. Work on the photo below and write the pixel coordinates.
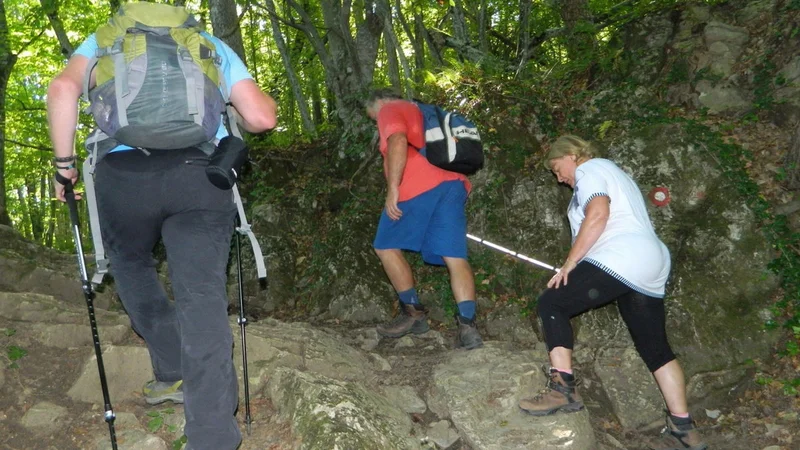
(325, 387)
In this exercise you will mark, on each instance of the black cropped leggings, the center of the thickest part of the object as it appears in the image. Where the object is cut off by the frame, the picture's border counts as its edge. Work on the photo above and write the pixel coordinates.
(589, 287)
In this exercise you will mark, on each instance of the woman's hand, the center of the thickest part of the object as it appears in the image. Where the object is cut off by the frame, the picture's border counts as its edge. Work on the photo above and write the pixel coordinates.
(562, 274)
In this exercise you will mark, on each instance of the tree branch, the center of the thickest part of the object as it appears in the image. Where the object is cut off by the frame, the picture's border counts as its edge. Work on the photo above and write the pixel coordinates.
(33, 146)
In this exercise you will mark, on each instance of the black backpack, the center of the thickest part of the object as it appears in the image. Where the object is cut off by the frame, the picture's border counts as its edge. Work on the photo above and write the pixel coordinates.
(452, 142)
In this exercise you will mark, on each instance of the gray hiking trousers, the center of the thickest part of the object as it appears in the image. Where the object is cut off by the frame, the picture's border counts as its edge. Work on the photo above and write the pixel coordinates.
(140, 200)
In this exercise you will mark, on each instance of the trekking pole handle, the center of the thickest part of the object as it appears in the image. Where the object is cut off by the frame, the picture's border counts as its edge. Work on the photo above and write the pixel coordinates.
(69, 195)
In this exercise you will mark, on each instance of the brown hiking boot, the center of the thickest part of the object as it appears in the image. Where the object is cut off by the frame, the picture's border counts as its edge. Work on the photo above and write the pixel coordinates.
(468, 335)
(680, 436)
(558, 395)
(411, 319)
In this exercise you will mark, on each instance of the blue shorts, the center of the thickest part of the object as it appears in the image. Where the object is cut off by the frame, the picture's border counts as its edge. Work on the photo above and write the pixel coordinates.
(433, 223)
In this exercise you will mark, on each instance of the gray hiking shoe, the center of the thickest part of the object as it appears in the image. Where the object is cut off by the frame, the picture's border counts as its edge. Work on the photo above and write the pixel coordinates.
(468, 336)
(411, 319)
(156, 392)
(679, 436)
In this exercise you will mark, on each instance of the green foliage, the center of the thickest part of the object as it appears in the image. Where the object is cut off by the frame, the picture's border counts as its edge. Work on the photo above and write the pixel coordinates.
(14, 354)
(157, 418)
(178, 444)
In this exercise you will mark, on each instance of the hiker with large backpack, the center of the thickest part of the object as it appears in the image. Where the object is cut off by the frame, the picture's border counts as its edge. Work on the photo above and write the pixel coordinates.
(424, 212)
(158, 87)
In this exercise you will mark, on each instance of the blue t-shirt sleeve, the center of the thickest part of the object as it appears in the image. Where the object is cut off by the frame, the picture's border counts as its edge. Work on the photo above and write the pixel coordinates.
(88, 48)
(233, 69)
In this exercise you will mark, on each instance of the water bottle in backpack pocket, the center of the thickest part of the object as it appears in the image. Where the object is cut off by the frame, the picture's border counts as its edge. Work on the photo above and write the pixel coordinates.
(452, 142)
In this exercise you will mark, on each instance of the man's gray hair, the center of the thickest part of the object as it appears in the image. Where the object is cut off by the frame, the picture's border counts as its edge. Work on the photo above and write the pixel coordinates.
(381, 94)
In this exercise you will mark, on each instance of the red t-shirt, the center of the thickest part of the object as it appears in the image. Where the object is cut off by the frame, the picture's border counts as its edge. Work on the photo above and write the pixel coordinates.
(419, 175)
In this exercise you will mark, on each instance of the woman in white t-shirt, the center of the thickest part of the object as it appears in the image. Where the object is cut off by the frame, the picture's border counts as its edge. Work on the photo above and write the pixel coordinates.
(615, 255)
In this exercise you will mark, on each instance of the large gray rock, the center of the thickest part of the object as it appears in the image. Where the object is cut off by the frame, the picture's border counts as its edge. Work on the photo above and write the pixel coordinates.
(44, 418)
(126, 368)
(720, 98)
(28, 267)
(725, 43)
(272, 344)
(332, 414)
(132, 440)
(34, 307)
(635, 398)
(67, 335)
(481, 389)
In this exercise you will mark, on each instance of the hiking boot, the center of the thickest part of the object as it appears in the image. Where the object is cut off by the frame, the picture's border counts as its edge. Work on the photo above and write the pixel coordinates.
(411, 319)
(560, 394)
(468, 335)
(680, 436)
(156, 392)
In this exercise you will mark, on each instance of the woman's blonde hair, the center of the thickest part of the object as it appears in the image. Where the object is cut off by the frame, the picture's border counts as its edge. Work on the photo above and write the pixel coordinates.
(569, 144)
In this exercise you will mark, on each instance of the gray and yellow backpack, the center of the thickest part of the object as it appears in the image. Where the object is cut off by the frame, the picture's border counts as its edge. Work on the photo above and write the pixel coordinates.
(157, 85)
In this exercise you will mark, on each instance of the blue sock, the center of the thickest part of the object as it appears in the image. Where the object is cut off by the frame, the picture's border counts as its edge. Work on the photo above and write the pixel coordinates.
(409, 297)
(466, 309)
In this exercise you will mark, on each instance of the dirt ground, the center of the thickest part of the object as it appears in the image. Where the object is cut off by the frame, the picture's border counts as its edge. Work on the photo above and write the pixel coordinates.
(753, 416)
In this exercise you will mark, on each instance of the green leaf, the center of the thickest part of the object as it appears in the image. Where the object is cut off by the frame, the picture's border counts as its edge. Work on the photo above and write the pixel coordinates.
(9, 332)
(155, 424)
(15, 353)
(177, 444)
(154, 414)
(172, 428)
(168, 411)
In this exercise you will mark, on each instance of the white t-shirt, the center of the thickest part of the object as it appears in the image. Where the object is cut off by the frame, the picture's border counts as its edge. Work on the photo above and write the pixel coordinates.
(628, 249)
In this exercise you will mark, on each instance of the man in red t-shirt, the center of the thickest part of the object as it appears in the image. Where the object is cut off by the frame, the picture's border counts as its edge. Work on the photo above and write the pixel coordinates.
(424, 212)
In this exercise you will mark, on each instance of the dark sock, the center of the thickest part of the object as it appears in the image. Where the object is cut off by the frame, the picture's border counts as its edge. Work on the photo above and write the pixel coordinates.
(466, 309)
(567, 377)
(409, 297)
(678, 421)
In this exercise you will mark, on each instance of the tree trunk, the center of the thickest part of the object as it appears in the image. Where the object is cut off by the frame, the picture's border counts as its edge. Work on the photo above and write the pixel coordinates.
(573, 12)
(417, 43)
(51, 216)
(483, 15)
(459, 22)
(302, 104)
(316, 102)
(7, 61)
(25, 221)
(422, 31)
(792, 162)
(524, 33)
(391, 40)
(225, 21)
(50, 8)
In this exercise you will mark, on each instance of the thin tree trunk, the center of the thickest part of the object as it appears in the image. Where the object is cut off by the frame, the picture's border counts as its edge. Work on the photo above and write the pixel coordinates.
(792, 162)
(7, 61)
(573, 12)
(390, 37)
(253, 45)
(392, 65)
(422, 31)
(459, 22)
(524, 20)
(50, 8)
(302, 104)
(416, 42)
(24, 225)
(51, 216)
(316, 104)
(483, 15)
(225, 21)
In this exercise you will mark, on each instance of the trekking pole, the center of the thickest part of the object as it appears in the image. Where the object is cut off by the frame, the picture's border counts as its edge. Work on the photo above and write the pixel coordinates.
(242, 320)
(69, 194)
(512, 253)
